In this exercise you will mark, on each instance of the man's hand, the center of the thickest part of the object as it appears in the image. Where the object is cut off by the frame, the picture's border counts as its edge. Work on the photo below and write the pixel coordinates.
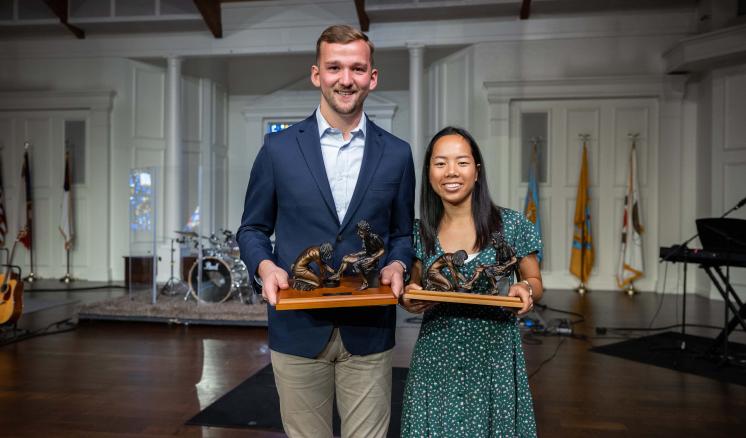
(393, 275)
(415, 306)
(273, 278)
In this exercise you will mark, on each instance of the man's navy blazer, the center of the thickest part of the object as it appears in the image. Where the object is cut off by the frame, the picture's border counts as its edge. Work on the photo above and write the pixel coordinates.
(289, 195)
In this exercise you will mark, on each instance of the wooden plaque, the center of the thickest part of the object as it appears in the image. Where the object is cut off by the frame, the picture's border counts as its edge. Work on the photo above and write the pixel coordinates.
(346, 295)
(464, 298)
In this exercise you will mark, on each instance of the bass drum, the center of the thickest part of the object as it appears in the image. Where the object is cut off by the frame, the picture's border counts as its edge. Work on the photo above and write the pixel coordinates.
(220, 278)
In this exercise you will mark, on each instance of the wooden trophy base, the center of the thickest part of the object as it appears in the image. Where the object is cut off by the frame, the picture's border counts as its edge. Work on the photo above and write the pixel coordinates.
(464, 298)
(345, 295)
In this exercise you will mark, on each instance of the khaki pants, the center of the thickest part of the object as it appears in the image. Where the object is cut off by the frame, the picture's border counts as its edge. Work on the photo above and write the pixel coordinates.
(307, 387)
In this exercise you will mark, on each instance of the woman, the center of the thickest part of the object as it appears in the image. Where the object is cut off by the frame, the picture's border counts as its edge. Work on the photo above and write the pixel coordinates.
(468, 374)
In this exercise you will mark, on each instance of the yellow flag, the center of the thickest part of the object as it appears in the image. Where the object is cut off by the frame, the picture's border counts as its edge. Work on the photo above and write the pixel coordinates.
(581, 259)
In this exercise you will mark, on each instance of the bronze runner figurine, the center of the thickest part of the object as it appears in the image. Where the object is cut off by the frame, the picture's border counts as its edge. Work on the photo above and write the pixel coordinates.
(435, 279)
(365, 261)
(505, 264)
(304, 277)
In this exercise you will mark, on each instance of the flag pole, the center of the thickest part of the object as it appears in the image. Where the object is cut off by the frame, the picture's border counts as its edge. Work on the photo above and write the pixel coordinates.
(31, 277)
(582, 289)
(65, 225)
(630, 289)
(67, 278)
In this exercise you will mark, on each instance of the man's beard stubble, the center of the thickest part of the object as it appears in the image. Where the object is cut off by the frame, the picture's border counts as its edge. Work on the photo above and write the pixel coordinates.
(352, 109)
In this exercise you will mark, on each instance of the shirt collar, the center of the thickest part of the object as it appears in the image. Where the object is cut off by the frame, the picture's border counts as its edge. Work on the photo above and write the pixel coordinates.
(324, 125)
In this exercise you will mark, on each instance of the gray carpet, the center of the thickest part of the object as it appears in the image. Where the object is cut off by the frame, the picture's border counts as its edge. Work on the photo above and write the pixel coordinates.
(174, 309)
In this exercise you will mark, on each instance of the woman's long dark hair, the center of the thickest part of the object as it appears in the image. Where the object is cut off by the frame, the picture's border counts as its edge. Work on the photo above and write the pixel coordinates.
(486, 215)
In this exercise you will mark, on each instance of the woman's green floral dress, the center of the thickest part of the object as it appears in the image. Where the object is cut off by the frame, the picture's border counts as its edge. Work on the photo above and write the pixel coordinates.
(468, 374)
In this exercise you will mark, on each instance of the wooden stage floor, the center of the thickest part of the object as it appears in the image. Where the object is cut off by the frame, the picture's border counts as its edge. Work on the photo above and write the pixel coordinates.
(124, 379)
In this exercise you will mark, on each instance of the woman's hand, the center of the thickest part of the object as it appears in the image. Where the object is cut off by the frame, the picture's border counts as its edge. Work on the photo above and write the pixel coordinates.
(522, 291)
(414, 306)
(530, 272)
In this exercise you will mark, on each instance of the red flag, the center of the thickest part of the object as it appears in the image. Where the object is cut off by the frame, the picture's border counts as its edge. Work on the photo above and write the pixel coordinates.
(25, 235)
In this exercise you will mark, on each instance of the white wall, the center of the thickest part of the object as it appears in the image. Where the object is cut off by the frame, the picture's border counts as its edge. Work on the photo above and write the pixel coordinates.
(248, 114)
(460, 87)
(701, 160)
(723, 111)
(105, 74)
(136, 139)
(203, 125)
(608, 123)
(562, 58)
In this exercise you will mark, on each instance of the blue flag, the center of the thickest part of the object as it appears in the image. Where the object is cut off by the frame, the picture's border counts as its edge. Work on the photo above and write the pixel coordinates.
(531, 206)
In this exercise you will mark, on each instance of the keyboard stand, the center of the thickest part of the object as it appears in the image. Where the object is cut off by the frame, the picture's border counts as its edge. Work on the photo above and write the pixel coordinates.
(732, 302)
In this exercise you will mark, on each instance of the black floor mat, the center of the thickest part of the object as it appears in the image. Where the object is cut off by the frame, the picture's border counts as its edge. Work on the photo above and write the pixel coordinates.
(664, 350)
(254, 404)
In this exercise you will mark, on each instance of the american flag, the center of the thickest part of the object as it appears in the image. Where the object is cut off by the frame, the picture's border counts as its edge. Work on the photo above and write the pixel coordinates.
(25, 236)
(66, 220)
(3, 219)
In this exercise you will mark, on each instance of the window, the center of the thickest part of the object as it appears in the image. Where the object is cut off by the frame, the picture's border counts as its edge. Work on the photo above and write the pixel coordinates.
(534, 129)
(75, 147)
(278, 126)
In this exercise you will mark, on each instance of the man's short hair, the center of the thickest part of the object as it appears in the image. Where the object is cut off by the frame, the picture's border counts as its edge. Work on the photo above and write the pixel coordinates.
(342, 34)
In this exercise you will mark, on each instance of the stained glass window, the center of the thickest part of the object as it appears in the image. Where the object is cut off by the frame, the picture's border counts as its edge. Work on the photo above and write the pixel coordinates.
(278, 126)
(141, 200)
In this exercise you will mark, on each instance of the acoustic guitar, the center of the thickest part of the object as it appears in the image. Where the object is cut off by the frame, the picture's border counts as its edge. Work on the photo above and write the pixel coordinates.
(11, 290)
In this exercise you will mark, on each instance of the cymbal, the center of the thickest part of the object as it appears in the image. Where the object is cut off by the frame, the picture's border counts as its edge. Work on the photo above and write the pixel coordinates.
(191, 234)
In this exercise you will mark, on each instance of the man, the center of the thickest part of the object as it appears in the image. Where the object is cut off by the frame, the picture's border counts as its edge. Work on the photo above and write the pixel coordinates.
(312, 183)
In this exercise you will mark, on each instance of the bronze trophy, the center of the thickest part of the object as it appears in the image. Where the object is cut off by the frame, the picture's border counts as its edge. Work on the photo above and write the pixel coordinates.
(329, 288)
(457, 289)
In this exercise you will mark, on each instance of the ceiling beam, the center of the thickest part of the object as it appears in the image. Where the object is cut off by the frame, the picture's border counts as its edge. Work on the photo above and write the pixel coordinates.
(362, 16)
(60, 9)
(210, 10)
(525, 9)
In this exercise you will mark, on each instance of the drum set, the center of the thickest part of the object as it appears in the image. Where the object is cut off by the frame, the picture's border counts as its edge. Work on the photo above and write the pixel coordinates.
(218, 275)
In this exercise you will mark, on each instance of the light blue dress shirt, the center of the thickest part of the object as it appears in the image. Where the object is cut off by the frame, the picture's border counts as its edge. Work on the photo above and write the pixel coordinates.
(342, 160)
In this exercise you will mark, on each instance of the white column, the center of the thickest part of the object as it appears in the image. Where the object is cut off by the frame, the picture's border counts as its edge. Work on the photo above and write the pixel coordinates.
(416, 100)
(172, 172)
(417, 108)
